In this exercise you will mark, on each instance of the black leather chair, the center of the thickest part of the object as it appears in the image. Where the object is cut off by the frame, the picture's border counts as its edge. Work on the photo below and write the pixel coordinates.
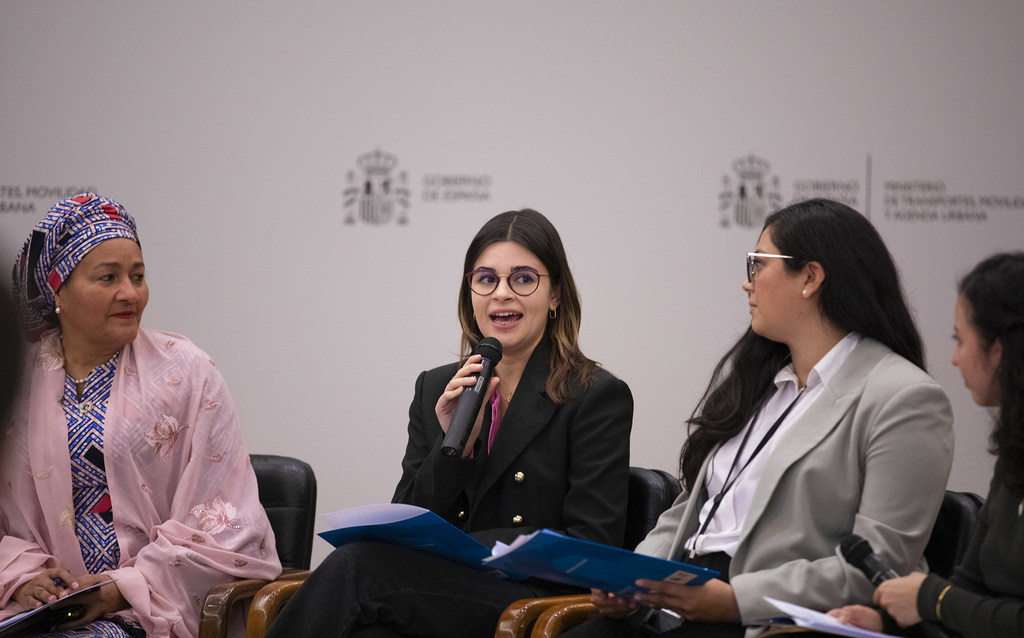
(952, 532)
(287, 488)
(651, 492)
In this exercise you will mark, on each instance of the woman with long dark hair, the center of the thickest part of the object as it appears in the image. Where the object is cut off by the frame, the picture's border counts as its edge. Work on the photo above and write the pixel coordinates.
(985, 596)
(550, 448)
(818, 423)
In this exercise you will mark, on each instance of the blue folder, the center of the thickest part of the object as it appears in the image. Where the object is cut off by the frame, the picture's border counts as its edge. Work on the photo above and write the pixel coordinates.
(407, 526)
(543, 554)
(575, 561)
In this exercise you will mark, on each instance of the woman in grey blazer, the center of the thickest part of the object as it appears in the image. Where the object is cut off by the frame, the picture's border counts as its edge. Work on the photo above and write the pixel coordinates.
(819, 423)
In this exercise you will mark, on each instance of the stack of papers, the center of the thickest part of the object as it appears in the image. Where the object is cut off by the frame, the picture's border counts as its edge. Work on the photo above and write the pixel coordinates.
(818, 621)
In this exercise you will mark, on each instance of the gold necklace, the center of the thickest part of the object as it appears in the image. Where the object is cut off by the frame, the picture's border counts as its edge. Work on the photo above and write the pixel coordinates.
(508, 397)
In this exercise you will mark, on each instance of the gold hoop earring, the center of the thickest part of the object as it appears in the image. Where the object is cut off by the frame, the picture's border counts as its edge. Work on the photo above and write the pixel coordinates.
(553, 313)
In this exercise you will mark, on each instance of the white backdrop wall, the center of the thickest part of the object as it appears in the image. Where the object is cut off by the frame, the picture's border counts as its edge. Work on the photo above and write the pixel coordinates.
(232, 130)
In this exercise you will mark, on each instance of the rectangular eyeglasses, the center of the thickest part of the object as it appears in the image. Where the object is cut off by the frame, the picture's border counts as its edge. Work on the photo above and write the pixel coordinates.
(754, 263)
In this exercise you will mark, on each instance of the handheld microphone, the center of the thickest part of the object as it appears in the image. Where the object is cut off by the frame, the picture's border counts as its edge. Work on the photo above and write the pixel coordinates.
(471, 399)
(858, 553)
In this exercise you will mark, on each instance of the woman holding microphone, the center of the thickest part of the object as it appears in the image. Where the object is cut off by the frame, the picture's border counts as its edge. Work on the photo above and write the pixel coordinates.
(550, 448)
(985, 596)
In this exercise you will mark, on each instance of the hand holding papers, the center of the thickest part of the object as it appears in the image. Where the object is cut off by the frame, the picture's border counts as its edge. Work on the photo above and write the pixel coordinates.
(46, 617)
(574, 561)
(818, 621)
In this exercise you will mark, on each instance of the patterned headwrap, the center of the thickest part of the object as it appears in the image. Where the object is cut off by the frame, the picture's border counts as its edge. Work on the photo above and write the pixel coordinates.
(57, 244)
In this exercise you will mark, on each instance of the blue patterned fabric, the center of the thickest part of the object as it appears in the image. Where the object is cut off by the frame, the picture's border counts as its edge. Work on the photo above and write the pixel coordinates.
(94, 521)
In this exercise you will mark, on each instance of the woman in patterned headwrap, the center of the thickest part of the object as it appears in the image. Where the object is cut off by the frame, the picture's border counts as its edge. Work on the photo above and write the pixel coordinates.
(124, 462)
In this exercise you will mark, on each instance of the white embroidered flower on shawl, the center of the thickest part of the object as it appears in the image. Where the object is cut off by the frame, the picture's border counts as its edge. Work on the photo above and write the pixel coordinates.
(164, 435)
(67, 515)
(51, 355)
(215, 516)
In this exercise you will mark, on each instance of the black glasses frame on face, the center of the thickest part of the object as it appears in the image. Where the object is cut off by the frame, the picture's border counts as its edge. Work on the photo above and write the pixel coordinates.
(753, 265)
(481, 285)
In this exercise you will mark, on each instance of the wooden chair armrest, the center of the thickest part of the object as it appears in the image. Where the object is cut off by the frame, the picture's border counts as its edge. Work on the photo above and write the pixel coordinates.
(213, 618)
(516, 618)
(267, 603)
(559, 618)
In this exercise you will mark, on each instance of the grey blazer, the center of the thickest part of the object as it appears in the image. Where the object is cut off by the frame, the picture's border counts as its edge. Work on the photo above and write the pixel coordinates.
(871, 456)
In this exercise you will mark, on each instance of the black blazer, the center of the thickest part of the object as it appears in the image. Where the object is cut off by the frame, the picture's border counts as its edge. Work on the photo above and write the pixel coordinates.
(564, 467)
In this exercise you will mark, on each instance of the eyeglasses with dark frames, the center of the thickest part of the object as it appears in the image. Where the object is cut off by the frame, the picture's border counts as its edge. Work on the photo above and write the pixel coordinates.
(522, 281)
(754, 263)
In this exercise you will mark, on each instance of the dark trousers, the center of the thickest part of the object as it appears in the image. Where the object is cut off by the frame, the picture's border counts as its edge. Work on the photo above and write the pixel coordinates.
(648, 623)
(375, 590)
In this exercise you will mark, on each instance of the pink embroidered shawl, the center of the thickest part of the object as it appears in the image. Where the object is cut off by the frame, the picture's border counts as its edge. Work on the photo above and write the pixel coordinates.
(186, 509)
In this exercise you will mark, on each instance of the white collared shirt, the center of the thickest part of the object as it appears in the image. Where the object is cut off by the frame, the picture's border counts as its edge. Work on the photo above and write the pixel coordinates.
(723, 533)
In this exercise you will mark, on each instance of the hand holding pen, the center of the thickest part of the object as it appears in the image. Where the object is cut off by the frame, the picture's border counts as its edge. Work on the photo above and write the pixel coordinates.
(45, 587)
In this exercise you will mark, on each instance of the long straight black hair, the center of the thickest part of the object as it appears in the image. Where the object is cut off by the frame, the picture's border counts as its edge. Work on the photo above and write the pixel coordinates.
(993, 292)
(861, 292)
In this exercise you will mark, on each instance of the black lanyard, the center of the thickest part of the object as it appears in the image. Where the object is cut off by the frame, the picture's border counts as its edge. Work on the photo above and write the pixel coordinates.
(730, 480)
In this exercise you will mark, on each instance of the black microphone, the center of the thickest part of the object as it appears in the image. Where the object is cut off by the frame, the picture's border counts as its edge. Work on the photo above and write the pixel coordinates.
(858, 553)
(471, 399)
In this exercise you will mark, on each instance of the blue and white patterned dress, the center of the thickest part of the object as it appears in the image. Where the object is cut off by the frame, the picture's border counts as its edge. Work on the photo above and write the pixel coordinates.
(94, 520)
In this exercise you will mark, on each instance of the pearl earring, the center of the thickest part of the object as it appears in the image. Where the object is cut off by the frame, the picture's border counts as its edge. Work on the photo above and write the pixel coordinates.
(805, 292)
(57, 310)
